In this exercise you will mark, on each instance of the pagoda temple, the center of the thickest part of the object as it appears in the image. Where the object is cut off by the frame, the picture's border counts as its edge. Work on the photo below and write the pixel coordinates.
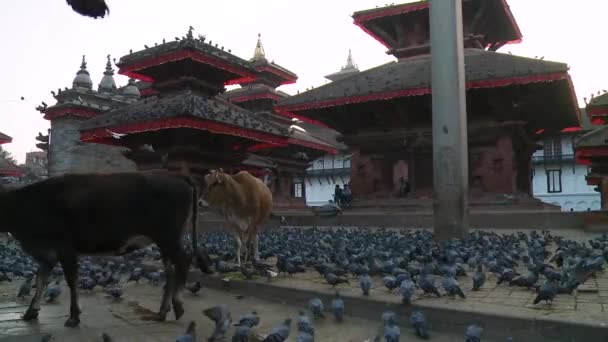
(592, 147)
(8, 169)
(384, 113)
(290, 160)
(177, 116)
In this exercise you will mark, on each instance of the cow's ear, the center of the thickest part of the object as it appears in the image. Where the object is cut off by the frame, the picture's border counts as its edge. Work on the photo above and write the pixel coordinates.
(218, 178)
(221, 170)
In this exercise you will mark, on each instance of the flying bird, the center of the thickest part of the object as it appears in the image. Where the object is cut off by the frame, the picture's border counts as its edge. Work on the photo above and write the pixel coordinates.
(90, 8)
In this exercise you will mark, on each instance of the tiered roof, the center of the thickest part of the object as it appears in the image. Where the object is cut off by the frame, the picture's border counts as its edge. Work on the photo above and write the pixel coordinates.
(412, 77)
(81, 100)
(597, 109)
(180, 81)
(405, 30)
(350, 68)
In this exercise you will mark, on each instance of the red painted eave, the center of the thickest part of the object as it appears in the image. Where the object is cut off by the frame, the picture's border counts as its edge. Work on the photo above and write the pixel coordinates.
(104, 135)
(290, 110)
(134, 70)
(361, 19)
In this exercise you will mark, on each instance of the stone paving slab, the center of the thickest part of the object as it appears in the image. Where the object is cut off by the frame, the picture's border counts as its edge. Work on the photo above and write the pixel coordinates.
(125, 319)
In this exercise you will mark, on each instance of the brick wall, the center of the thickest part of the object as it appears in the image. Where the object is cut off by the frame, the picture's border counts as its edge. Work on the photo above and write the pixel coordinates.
(69, 155)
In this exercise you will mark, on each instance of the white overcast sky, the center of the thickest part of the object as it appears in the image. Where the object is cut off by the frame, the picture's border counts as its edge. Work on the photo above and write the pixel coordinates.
(42, 42)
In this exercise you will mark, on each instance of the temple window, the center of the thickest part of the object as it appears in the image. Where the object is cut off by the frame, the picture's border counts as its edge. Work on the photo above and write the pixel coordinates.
(553, 147)
(554, 181)
(297, 190)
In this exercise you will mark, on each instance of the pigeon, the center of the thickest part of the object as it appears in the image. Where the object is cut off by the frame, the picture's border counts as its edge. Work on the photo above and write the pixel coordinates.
(304, 323)
(334, 280)
(388, 317)
(303, 336)
(316, 307)
(420, 324)
(106, 338)
(222, 318)
(427, 284)
(452, 287)
(52, 292)
(546, 292)
(25, 288)
(473, 333)
(190, 335)
(279, 333)
(337, 307)
(194, 288)
(46, 338)
(242, 333)
(392, 333)
(366, 283)
(390, 283)
(407, 289)
(250, 319)
(90, 8)
(115, 291)
(479, 278)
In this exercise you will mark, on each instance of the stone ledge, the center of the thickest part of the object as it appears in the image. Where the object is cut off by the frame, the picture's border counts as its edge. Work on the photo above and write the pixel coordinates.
(499, 321)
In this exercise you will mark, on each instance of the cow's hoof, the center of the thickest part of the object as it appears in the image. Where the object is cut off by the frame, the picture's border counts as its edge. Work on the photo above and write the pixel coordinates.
(178, 310)
(160, 317)
(30, 315)
(72, 322)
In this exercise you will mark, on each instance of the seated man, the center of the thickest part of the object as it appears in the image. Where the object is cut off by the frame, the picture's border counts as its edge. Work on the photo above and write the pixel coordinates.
(347, 195)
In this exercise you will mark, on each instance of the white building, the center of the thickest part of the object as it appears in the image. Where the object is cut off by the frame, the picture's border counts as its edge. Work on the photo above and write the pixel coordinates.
(558, 180)
(322, 177)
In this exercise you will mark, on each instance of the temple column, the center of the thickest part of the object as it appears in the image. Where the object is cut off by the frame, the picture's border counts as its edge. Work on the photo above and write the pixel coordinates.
(450, 145)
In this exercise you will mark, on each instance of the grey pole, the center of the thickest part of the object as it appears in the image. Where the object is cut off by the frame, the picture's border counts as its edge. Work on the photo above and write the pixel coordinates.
(450, 150)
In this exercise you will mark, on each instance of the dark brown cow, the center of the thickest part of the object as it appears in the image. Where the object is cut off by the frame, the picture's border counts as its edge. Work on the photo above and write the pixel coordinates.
(91, 214)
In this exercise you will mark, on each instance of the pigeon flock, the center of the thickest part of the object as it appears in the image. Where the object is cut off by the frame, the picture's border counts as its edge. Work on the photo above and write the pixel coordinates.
(408, 263)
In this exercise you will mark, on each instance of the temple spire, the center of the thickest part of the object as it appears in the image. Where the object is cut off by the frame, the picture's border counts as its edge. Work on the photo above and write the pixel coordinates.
(259, 53)
(83, 78)
(350, 64)
(107, 82)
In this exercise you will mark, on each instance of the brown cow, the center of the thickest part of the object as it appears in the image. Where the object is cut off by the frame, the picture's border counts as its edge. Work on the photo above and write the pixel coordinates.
(244, 201)
(60, 218)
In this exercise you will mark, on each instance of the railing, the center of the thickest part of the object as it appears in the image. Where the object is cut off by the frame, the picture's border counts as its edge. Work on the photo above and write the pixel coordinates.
(552, 159)
(341, 171)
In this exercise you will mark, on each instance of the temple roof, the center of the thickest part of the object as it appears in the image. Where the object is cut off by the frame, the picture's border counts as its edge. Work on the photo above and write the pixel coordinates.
(348, 69)
(254, 92)
(597, 108)
(5, 139)
(598, 101)
(412, 77)
(407, 25)
(596, 138)
(186, 105)
(198, 49)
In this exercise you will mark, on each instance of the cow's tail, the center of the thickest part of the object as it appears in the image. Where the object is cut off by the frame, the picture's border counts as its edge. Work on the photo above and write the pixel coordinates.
(201, 259)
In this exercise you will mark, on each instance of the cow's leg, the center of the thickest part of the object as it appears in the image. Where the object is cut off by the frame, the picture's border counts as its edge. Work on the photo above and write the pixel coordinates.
(255, 245)
(44, 270)
(165, 304)
(69, 263)
(180, 267)
(239, 248)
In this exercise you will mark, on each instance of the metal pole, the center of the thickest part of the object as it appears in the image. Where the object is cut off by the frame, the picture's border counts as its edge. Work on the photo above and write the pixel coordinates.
(450, 150)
